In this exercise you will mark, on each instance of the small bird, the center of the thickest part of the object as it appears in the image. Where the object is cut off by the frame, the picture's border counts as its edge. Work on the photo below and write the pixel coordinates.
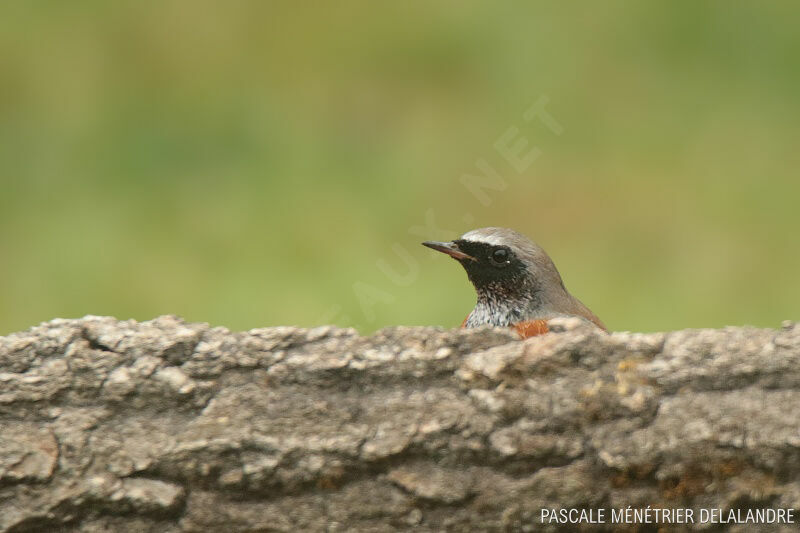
(517, 283)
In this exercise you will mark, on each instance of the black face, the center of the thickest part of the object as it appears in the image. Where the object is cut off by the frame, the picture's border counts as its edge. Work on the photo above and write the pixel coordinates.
(493, 265)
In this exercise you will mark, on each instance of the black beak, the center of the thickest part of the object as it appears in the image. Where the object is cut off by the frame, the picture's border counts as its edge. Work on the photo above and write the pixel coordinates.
(449, 248)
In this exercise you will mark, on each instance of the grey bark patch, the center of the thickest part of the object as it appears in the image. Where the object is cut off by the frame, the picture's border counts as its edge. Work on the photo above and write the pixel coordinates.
(163, 425)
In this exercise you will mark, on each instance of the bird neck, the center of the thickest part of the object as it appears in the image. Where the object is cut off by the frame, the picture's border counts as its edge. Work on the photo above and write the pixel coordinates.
(499, 307)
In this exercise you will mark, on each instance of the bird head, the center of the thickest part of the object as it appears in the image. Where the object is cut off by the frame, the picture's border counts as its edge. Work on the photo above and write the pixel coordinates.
(501, 262)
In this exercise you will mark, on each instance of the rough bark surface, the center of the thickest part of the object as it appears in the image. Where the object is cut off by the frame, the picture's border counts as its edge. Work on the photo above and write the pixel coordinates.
(167, 426)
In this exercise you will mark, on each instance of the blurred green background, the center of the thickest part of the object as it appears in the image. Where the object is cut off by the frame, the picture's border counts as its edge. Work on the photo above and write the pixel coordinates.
(264, 163)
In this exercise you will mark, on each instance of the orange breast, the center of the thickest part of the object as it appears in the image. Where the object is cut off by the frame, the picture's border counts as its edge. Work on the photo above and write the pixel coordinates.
(531, 328)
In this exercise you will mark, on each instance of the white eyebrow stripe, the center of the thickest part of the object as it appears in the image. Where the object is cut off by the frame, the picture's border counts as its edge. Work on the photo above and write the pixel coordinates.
(476, 236)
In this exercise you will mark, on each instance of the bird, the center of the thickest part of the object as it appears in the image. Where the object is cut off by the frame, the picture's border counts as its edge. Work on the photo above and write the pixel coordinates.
(516, 282)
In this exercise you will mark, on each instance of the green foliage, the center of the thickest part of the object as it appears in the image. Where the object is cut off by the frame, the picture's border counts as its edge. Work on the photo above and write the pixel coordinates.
(249, 163)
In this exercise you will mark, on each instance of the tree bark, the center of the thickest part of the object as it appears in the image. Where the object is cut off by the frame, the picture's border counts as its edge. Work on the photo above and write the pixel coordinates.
(167, 426)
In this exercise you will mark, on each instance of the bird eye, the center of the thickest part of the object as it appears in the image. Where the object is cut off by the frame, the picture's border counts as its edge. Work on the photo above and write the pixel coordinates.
(500, 255)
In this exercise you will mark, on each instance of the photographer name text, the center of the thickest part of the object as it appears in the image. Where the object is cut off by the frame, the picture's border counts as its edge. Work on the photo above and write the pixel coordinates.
(660, 515)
